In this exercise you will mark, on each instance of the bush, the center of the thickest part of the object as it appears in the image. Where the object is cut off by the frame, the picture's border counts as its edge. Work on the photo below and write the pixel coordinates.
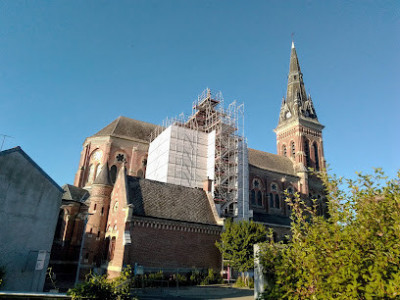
(99, 287)
(212, 278)
(353, 254)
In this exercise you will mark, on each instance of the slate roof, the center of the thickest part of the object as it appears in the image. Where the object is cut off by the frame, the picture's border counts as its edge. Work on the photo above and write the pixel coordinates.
(271, 219)
(74, 193)
(128, 128)
(169, 201)
(271, 162)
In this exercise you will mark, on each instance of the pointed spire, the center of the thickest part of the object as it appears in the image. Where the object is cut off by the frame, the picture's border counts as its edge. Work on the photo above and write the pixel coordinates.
(104, 176)
(297, 104)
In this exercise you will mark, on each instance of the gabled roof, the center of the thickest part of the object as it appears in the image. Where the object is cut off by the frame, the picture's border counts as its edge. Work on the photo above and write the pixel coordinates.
(30, 160)
(271, 162)
(169, 201)
(74, 193)
(128, 128)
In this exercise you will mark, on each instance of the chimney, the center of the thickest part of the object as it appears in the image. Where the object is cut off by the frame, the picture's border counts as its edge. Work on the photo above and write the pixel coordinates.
(207, 185)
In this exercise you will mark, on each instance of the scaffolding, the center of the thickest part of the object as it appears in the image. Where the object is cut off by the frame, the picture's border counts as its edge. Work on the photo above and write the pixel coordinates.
(226, 145)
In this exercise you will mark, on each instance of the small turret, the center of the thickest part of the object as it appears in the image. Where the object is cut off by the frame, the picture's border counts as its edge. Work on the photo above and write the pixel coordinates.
(104, 176)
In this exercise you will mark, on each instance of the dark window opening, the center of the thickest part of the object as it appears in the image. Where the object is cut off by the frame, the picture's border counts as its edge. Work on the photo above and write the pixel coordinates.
(120, 157)
(316, 156)
(271, 200)
(253, 197)
(293, 147)
(98, 233)
(307, 151)
(259, 198)
(277, 204)
(95, 206)
(102, 210)
(113, 172)
(284, 150)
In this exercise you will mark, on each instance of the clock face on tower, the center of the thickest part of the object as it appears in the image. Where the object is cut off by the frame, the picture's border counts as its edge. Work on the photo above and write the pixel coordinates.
(288, 115)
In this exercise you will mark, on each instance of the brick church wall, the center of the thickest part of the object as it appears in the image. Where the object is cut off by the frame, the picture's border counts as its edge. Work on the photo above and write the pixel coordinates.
(170, 244)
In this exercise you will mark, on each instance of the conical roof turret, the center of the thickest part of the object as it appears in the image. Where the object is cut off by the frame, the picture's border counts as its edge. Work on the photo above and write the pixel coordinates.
(104, 176)
(296, 105)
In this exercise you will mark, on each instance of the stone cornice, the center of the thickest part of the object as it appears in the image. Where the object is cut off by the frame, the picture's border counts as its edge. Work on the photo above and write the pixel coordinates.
(165, 224)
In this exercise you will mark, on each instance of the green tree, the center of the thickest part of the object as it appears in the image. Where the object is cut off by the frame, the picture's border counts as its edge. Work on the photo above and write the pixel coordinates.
(237, 241)
(353, 254)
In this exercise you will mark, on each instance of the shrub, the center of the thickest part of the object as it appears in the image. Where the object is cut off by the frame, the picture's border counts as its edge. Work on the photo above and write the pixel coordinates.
(99, 287)
(212, 278)
(353, 254)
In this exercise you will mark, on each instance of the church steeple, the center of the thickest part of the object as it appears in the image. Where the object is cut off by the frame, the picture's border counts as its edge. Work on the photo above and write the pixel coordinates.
(297, 104)
(299, 133)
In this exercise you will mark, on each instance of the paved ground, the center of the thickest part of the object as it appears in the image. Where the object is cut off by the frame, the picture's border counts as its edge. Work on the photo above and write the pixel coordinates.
(198, 292)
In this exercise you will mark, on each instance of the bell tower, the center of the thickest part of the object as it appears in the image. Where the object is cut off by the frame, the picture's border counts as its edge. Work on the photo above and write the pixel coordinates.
(299, 133)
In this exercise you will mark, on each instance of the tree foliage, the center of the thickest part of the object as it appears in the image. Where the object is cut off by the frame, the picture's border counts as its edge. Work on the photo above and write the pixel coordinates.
(237, 243)
(353, 254)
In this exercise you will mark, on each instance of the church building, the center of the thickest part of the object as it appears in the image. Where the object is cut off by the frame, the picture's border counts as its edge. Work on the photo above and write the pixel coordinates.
(157, 196)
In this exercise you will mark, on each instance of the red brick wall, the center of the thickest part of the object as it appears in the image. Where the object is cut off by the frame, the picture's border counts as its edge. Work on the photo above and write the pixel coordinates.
(174, 245)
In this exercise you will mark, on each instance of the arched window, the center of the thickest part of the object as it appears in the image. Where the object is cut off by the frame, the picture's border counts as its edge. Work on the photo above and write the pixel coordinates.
(316, 156)
(293, 149)
(307, 152)
(284, 150)
(277, 204)
(271, 200)
(253, 197)
(113, 173)
(259, 198)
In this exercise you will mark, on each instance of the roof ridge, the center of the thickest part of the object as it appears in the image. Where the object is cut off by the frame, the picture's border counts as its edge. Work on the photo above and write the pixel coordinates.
(33, 163)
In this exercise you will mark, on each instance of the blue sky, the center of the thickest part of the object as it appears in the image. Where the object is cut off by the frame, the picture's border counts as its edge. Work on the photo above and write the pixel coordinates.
(68, 68)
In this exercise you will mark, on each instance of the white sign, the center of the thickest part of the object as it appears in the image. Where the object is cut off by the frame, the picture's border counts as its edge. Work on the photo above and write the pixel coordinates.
(40, 260)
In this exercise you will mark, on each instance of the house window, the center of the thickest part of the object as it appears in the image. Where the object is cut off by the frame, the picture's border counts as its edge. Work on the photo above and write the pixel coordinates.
(102, 211)
(271, 200)
(94, 207)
